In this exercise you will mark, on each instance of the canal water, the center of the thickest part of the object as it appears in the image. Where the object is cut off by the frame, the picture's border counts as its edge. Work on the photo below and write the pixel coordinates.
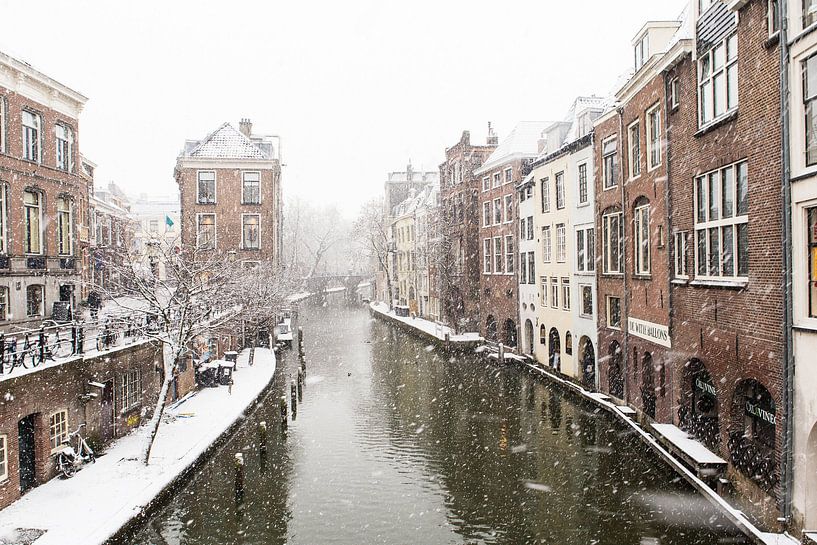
(397, 443)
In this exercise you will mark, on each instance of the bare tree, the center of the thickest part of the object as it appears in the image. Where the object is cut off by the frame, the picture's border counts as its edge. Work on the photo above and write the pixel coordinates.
(202, 291)
(314, 238)
(372, 230)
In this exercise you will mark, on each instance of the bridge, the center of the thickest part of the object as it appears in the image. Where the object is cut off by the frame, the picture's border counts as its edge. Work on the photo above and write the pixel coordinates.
(325, 283)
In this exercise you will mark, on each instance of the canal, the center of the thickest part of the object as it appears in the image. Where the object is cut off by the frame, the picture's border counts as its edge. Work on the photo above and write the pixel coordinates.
(397, 443)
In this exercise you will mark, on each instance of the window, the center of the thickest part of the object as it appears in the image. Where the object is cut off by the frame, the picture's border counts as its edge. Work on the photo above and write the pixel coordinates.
(810, 106)
(674, 98)
(773, 18)
(497, 179)
(545, 195)
(583, 183)
(569, 343)
(531, 268)
(508, 208)
(681, 254)
(65, 147)
(486, 213)
(251, 187)
(580, 250)
(641, 230)
(2, 124)
(612, 243)
(704, 5)
(566, 293)
(58, 429)
(561, 243)
(4, 218)
(634, 151)
(64, 226)
(4, 303)
(560, 190)
(718, 80)
(251, 231)
(497, 211)
(642, 51)
(585, 255)
(109, 223)
(508, 175)
(4, 458)
(486, 252)
(498, 255)
(721, 223)
(486, 183)
(546, 244)
(206, 187)
(509, 254)
(153, 226)
(32, 217)
(591, 249)
(530, 227)
(812, 261)
(613, 312)
(609, 163)
(206, 234)
(32, 124)
(654, 137)
(34, 300)
(554, 293)
(544, 283)
(130, 389)
(809, 12)
(523, 228)
(523, 268)
(587, 300)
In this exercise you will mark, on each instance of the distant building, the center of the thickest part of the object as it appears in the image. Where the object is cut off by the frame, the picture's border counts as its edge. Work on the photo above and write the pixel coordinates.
(399, 185)
(112, 236)
(42, 193)
(156, 226)
(230, 194)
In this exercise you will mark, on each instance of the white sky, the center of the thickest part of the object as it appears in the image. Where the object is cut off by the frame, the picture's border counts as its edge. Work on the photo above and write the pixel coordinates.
(355, 88)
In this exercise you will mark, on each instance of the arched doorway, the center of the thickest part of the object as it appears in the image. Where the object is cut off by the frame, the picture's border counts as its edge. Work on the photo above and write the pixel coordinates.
(509, 333)
(588, 359)
(752, 433)
(615, 378)
(490, 329)
(543, 335)
(699, 407)
(529, 336)
(554, 349)
(647, 385)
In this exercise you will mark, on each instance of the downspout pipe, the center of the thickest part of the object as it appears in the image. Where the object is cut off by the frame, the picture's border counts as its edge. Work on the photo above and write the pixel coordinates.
(625, 357)
(787, 459)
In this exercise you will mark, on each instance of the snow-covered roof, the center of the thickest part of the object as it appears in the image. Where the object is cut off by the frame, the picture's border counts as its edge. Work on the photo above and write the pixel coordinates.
(227, 142)
(426, 198)
(523, 141)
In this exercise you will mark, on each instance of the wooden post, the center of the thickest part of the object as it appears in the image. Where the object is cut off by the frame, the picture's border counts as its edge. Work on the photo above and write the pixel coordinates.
(448, 341)
(262, 436)
(293, 394)
(239, 477)
(283, 405)
(300, 384)
(501, 355)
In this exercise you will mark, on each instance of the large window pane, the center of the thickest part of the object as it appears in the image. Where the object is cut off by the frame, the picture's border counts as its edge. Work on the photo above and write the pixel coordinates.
(700, 236)
(700, 191)
(727, 192)
(712, 197)
(728, 251)
(714, 252)
(743, 249)
(742, 189)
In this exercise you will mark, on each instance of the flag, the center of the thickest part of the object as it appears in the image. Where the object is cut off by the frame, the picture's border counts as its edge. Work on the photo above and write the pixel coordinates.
(168, 221)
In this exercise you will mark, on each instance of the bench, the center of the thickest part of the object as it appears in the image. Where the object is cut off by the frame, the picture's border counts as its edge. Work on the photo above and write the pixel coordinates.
(703, 461)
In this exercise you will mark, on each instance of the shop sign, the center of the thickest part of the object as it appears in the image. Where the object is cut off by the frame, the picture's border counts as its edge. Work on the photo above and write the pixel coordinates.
(705, 387)
(757, 411)
(657, 333)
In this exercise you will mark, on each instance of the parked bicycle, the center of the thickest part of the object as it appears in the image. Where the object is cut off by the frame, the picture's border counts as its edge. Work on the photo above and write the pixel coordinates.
(107, 336)
(69, 459)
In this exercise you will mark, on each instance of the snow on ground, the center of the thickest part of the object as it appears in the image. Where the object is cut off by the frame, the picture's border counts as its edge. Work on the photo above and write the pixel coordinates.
(90, 507)
(432, 328)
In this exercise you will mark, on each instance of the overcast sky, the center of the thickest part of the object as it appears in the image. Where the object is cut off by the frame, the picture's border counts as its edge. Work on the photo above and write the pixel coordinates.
(355, 88)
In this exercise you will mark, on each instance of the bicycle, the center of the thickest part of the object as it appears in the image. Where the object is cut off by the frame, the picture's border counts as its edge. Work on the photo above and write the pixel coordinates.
(106, 338)
(70, 458)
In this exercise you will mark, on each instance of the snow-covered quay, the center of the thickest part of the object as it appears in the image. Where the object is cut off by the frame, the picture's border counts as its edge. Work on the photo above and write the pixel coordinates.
(95, 504)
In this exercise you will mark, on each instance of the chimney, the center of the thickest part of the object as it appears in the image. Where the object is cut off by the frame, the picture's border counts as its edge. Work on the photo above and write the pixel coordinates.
(409, 171)
(245, 126)
(542, 143)
(493, 140)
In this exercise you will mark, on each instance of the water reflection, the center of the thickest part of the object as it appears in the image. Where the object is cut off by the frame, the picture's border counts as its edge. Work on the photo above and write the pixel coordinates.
(396, 442)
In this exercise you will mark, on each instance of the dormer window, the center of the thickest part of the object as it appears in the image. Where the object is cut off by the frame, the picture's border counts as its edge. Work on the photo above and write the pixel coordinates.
(704, 5)
(809, 12)
(642, 51)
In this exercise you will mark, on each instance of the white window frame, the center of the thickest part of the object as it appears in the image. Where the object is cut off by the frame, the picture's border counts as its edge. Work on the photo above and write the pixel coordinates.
(4, 458)
(497, 179)
(561, 243)
(530, 235)
(130, 389)
(609, 300)
(499, 256)
(641, 51)
(487, 259)
(634, 147)
(708, 92)
(545, 201)
(69, 211)
(199, 216)
(198, 186)
(508, 210)
(581, 183)
(641, 246)
(547, 247)
(523, 268)
(560, 190)
(510, 255)
(565, 293)
(2, 124)
(486, 183)
(531, 268)
(674, 99)
(57, 430)
(609, 172)
(498, 211)
(4, 303)
(244, 181)
(654, 154)
(680, 257)
(582, 288)
(608, 267)
(4, 218)
(554, 292)
(41, 310)
(243, 242)
(29, 142)
(26, 228)
(487, 214)
(543, 295)
(721, 225)
(64, 145)
(508, 175)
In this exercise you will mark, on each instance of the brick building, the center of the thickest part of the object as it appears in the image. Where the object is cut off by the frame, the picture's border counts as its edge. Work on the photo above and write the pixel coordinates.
(230, 194)
(631, 222)
(111, 239)
(726, 238)
(42, 193)
(498, 177)
(459, 273)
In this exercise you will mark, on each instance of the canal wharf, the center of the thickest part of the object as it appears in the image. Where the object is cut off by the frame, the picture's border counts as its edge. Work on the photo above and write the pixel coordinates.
(438, 334)
(116, 493)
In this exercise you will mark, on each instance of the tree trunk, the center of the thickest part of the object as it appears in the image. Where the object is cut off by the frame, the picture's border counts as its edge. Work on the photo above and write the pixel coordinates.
(159, 410)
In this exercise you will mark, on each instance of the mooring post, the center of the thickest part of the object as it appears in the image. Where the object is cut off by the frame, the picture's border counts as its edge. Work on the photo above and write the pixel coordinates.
(501, 354)
(300, 384)
(262, 436)
(239, 477)
(283, 405)
(293, 393)
(448, 341)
